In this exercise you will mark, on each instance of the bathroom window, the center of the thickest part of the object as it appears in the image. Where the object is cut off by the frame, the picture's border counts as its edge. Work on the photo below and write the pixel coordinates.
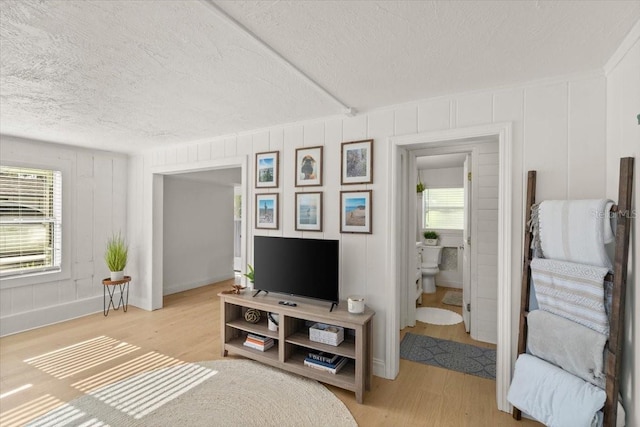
(443, 208)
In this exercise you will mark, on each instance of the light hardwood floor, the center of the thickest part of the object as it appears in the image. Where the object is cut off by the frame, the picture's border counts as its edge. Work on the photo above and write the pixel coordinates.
(187, 328)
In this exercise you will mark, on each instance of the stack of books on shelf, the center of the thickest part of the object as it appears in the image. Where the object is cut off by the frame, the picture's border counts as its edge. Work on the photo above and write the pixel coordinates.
(258, 342)
(325, 361)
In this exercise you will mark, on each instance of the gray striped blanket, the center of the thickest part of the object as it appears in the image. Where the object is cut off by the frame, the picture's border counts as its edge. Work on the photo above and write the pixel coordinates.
(573, 291)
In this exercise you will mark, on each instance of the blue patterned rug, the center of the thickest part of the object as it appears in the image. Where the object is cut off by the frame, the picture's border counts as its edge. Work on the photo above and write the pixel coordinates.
(451, 355)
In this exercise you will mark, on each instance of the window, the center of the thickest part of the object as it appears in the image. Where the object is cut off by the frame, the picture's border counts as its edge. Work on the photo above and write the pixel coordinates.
(443, 208)
(30, 221)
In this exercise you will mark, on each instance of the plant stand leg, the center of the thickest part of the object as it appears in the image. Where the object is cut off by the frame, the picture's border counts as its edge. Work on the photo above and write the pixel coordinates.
(110, 290)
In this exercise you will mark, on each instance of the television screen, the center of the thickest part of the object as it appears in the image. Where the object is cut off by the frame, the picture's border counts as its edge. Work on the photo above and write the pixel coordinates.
(302, 267)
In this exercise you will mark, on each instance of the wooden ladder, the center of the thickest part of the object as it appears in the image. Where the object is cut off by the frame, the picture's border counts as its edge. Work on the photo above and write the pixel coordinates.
(619, 278)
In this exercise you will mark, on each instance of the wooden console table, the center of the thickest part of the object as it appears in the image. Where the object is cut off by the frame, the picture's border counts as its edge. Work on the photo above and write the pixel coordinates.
(292, 337)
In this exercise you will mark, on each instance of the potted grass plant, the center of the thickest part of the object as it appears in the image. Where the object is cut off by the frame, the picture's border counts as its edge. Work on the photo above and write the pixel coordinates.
(116, 256)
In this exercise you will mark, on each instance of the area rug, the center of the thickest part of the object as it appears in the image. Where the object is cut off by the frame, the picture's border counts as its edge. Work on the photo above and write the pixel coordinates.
(451, 355)
(215, 393)
(437, 316)
(453, 298)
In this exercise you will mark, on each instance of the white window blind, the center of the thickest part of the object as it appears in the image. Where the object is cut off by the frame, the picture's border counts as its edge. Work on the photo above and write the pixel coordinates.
(30, 220)
(443, 208)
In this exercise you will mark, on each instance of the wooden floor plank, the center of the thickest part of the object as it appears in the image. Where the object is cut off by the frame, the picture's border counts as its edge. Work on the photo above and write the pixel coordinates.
(187, 328)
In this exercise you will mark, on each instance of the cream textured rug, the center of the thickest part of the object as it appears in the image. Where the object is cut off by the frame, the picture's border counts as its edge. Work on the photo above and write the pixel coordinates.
(215, 393)
(437, 316)
(453, 298)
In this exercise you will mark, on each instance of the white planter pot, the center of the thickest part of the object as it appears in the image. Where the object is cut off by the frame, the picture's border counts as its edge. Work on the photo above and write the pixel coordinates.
(431, 242)
(117, 275)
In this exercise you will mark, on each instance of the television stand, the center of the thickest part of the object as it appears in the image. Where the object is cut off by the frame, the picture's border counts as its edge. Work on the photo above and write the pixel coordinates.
(333, 304)
(292, 343)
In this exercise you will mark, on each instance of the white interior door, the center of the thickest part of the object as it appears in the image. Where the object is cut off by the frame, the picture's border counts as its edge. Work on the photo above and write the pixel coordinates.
(466, 251)
(237, 228)
(409, 200)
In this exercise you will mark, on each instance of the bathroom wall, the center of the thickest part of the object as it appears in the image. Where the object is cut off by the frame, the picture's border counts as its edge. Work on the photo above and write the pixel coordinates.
(442, 177)
(450, 274)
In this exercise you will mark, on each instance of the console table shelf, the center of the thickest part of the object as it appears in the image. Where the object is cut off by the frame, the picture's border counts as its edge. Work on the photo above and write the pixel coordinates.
(347, 348)
(292, 343)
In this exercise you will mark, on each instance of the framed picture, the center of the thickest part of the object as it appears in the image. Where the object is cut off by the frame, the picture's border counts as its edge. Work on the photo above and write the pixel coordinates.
(308, 166)
(357, 162)
(267, 169)
(267, 211)
(309, 211)
(355, 211)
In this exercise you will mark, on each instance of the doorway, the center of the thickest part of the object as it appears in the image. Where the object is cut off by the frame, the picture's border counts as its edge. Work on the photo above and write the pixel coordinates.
(198, 234)
(444, 208)
(402, 181)
(156, 268)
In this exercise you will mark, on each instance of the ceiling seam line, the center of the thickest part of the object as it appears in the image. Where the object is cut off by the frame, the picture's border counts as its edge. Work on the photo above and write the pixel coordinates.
(349, 111)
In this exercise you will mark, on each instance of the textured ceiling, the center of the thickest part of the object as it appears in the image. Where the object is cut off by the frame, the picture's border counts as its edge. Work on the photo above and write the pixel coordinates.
(132, 75)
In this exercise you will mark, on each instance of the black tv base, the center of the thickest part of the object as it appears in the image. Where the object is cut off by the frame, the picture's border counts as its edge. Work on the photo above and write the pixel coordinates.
(260, 290)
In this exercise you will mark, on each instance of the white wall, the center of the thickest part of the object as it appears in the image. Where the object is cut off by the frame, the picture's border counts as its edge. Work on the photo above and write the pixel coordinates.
(95, 204)
(198, 234)
(442, 177)
(558, 129)
(623, 140)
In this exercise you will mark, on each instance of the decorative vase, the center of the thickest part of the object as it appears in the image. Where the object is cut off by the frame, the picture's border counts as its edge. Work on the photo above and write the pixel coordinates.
(117, 275)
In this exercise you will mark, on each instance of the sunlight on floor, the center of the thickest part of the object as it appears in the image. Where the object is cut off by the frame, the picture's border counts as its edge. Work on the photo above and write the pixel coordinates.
(82, 356)
(135, 387)
(15, 390)
(145, 393)
(146, 362)
(24, 413)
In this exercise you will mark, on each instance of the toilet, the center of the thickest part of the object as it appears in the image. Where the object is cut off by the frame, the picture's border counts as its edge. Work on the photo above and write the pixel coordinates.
(431, 257)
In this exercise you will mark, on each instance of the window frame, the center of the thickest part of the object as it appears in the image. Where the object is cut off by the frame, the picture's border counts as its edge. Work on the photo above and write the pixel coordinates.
(68, 188)
(424, 209)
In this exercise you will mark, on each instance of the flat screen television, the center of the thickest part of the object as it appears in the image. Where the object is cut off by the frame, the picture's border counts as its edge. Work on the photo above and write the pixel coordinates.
(293, 266)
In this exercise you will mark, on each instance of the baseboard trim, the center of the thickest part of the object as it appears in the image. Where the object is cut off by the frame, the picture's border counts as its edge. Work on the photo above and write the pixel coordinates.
(181, 287)
(33, 319)
(379, 369)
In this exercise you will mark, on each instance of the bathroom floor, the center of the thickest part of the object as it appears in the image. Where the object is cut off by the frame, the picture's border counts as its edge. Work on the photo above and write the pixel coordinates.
(451, 332)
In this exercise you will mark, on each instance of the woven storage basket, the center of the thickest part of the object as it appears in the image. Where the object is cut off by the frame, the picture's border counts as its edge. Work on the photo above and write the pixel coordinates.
(326, 334)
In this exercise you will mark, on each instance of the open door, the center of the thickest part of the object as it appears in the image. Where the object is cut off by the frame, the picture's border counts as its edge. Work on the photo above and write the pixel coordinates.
(237, 228)
(466, 251)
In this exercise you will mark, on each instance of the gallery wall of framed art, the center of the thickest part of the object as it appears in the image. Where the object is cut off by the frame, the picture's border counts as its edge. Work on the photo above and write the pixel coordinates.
(356, 168)
(267, 169)
(357, 162)
(309, 167)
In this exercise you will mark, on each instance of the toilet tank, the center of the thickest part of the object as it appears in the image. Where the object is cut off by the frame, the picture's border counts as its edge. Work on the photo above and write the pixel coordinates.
(432, 255)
